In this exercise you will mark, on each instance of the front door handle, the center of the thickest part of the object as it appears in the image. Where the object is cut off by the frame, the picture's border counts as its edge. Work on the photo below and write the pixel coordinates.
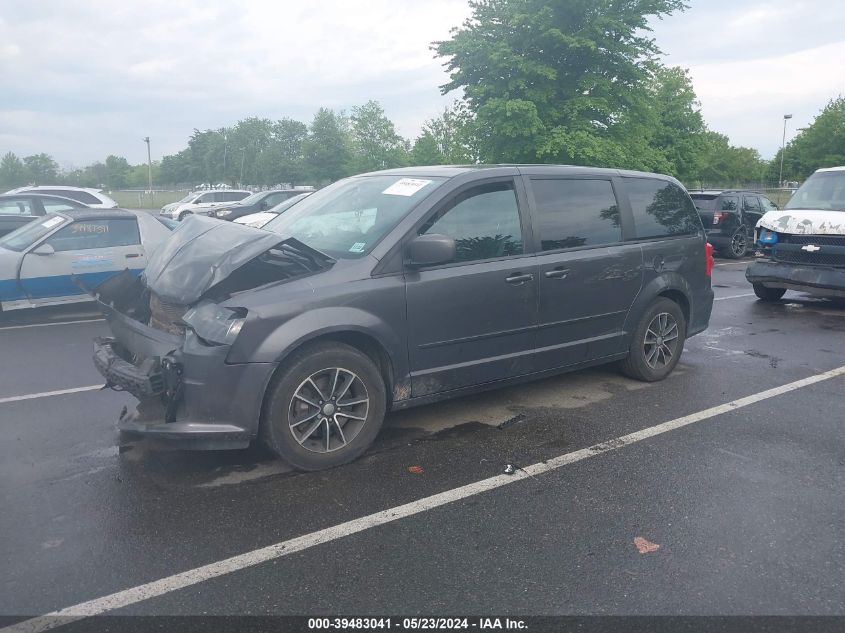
(518, 279)
(557, 273)
(128, 255)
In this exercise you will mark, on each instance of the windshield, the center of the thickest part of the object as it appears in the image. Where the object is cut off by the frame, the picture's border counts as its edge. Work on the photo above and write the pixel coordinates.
(28, 234)
(823, 190)
(348, 218)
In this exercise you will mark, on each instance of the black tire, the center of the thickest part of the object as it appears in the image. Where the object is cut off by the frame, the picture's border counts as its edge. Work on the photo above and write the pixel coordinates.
(291, 390)
(738, 246)
(768, 294)
(638, 364)
(184, 215)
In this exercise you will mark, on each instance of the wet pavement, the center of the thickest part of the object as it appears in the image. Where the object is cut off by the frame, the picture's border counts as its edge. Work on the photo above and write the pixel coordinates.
(746, 506)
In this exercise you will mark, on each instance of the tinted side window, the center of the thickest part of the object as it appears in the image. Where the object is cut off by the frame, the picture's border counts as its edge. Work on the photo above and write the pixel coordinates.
(751, 203)
(236, 195)
(660, 208)
(576, 213)
(87, 234)
(728, 203)
(206, 197)
(483, 221)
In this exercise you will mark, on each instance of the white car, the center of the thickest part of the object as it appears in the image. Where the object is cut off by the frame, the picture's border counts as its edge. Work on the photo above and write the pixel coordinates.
(39, 261)
(257, 220)
(91, 198)
(201, 202)
(802, 246)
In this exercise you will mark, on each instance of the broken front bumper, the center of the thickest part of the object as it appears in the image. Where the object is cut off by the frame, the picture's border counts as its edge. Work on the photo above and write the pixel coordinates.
(187, 392)
(817, 280)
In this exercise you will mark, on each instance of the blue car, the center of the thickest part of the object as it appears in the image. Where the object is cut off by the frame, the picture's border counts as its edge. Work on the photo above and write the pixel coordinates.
(39, 260)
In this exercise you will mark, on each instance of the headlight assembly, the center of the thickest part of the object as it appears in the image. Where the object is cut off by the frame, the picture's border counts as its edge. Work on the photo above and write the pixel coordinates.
(767, 237)
(223, 212)
(215, 324)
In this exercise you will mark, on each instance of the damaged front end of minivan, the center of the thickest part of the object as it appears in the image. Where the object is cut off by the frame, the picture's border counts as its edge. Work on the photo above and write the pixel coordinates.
(174, 326)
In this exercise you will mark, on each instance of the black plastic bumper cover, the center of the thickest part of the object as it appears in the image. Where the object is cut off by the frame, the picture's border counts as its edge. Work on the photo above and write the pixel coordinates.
(814, 279)
(144, 381)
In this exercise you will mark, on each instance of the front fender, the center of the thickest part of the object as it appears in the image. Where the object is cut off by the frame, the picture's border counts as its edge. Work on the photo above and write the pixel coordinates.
(309, 325)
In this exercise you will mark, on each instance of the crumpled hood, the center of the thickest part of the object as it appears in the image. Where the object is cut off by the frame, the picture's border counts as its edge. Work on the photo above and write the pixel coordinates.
(201, 253)
(801, 221)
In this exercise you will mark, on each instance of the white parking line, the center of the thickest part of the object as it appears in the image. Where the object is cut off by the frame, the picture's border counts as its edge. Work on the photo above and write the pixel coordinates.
(47, 394)
(20, 327)
(743, 263)
(750, 294)
(192, 577)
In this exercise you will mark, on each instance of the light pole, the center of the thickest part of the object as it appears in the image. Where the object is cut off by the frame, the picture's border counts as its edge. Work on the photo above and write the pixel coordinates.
(243, 156)
(786, 117)
(146, 139)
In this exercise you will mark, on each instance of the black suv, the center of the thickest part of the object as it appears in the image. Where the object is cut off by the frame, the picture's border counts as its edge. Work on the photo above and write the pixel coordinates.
(729, 218)
(399, 288)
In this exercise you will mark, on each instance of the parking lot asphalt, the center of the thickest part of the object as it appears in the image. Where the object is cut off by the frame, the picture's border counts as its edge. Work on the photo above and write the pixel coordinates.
(746, 504)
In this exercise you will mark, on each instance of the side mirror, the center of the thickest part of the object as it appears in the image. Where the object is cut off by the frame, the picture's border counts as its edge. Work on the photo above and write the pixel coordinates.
(264, 206)
(430, 250)
(44, 249)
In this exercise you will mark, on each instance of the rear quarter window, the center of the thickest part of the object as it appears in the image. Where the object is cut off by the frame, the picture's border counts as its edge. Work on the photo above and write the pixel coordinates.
(660, 208)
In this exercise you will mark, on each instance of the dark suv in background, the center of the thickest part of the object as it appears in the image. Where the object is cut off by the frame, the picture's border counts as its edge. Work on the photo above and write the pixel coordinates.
(260, 201)
(729, 217)
(400, 288)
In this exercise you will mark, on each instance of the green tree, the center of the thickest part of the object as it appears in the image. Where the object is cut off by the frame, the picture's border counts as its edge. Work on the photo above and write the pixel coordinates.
(425, 150)
(326, 150)
(722, 164)
(117, 172)
(678, 131)
(375, 143)
(557, 80)
(12, 172)
(41, 169)
(454, 132)
(821, 144)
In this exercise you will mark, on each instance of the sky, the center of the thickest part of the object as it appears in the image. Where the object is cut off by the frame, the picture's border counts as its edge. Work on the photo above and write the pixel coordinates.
(88, 78)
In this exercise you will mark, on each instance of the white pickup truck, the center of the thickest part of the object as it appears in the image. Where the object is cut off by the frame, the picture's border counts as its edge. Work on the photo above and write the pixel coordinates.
(802, 246)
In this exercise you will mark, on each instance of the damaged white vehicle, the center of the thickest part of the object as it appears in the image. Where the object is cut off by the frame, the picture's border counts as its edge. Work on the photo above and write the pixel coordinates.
(802, 247)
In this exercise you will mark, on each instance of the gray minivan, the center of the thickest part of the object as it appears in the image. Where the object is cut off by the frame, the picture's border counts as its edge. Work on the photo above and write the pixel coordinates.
(398, 288)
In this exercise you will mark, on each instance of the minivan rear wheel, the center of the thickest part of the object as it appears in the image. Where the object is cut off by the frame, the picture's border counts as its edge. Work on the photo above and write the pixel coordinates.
(657, 342)
(325, 408)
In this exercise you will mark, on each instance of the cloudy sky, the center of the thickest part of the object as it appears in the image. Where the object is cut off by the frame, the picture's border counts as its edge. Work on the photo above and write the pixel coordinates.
(88, 78)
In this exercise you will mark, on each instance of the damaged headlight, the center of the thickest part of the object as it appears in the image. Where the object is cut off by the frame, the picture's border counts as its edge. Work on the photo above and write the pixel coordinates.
(767, 237)
(215, 324)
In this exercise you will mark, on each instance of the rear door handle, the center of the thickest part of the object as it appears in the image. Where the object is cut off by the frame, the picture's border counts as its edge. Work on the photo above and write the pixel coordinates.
(557, 273)
(128, 255)
(519, 278)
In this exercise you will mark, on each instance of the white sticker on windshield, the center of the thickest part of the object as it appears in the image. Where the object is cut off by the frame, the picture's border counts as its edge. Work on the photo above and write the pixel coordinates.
(357, 247)
(52, 222)
(406, 187)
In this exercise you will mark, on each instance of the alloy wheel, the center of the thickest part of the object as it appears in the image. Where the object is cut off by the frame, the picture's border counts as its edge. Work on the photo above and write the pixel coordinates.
(739, 244)
(661, 341)
(328, 409)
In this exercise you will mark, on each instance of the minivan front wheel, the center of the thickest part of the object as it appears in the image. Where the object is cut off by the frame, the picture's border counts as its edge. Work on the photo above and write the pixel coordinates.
(326, 407)
(657, 342)
(768, 294)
